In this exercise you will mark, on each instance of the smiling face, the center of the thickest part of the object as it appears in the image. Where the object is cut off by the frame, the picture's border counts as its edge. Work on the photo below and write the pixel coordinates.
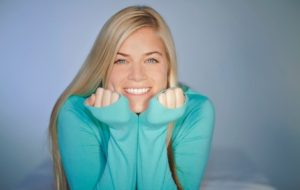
(140, 69)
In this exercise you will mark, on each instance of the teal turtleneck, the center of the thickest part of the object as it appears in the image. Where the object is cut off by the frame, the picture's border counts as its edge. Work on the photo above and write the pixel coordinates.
(114, 148)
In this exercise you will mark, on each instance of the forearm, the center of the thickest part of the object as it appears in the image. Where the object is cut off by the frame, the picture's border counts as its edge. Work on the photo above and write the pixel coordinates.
(98, 151)
(153, 166)
(120, 168)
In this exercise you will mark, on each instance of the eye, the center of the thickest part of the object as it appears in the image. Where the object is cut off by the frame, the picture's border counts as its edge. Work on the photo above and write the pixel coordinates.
(120, 61)
(151, 60)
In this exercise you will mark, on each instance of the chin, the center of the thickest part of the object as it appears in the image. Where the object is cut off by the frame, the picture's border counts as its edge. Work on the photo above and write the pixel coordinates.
(137, 108)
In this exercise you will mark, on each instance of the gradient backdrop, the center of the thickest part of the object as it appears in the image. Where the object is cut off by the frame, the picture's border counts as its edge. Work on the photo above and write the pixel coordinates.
(243, 54)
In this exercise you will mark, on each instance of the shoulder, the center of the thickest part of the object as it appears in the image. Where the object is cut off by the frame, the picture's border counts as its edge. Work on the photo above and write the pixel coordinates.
(198, 103)
(72, 102)
(74, 108)
(198, 118)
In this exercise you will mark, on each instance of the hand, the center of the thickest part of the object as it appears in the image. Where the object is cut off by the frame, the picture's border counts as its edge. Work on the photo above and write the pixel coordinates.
(102, 97)
(172, 98)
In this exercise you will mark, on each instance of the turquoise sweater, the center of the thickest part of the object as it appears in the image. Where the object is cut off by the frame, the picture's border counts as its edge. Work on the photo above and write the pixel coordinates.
(113, 148)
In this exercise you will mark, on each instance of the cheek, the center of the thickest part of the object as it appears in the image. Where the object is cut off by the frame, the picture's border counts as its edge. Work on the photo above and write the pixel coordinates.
(161, 78)
(165, 81)
(114, 80)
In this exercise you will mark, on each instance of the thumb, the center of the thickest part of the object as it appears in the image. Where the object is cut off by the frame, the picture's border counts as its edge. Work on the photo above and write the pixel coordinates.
(91, 100)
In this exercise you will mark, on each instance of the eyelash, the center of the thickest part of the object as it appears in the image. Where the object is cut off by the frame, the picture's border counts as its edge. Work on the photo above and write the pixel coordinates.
(124, 61)
(152, 59)
(119, 60)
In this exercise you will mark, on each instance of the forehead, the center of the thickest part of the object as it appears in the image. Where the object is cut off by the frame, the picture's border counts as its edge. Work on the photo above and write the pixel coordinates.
(142, 41)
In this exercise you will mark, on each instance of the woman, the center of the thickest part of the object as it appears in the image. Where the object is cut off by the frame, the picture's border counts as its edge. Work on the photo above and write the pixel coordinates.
(123, 122)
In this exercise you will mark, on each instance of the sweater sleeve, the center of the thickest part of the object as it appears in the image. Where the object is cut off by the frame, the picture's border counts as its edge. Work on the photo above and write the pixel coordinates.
(88, 160)
(192, 143)
(153, 166)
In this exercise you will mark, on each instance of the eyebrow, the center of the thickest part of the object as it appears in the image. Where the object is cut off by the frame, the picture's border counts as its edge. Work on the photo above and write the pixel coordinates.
(149, 53)
(153, 52)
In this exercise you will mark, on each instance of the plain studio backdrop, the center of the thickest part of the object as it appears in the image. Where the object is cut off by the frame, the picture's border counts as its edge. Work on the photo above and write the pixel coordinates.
(244, 55)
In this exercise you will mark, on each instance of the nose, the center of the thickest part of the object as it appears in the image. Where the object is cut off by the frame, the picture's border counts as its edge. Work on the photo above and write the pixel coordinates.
(137, 72)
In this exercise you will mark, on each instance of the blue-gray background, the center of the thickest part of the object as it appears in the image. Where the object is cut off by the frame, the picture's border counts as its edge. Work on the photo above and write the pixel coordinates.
(243, 54)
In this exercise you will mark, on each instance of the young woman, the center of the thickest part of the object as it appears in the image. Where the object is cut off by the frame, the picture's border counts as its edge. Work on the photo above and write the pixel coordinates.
(124, 122)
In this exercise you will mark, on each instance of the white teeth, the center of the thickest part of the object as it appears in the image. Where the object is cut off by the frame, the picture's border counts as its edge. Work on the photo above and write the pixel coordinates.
(137, 90)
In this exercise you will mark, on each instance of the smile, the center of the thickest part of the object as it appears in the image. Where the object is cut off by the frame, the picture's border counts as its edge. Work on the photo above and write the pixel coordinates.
(137, 91)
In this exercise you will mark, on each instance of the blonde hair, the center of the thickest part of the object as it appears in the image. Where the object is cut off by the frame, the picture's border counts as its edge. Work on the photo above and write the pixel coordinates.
(98, 65)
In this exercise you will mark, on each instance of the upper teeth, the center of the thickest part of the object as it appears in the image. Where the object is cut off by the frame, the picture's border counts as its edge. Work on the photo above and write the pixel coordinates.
(137, 90)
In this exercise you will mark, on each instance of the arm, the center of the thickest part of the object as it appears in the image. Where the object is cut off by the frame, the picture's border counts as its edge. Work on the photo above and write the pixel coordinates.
(153, 166)
(192, 144)
(90, 160)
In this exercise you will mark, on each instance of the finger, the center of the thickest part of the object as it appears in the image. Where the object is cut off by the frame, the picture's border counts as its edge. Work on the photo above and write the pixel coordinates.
(179, 97)
(106, 97)
(87, 101)
(162, 99)
(92, 99)
(170, 96)
(98, 100)
(114, 97)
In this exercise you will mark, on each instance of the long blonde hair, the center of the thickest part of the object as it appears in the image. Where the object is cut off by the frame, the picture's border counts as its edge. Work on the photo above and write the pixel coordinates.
(98, 64)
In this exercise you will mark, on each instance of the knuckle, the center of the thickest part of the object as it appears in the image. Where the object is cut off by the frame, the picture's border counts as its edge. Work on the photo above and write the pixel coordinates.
(178, 90)
(99, 91)
(108, 92)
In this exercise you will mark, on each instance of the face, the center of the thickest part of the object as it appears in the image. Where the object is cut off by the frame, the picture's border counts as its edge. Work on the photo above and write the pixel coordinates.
(140, 68)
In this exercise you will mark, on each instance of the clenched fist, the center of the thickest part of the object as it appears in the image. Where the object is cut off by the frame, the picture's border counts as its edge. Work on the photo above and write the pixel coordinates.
(172, 98)
(102, 97)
